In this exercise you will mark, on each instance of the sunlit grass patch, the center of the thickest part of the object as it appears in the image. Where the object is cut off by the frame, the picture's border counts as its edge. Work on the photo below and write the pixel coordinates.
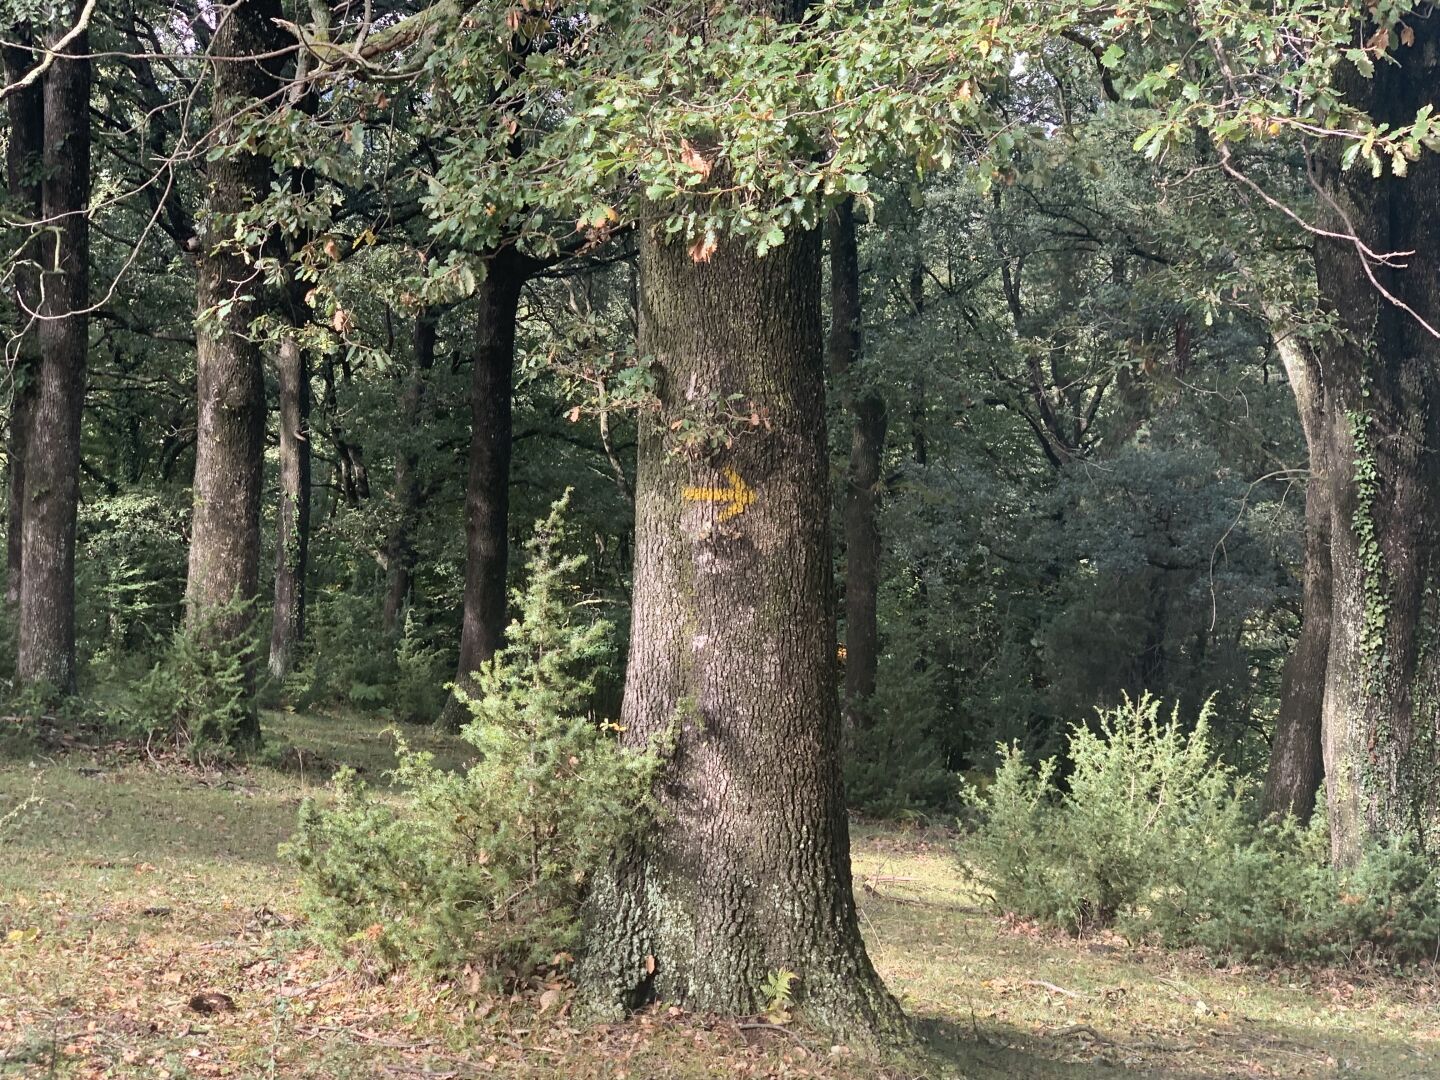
(133, 896)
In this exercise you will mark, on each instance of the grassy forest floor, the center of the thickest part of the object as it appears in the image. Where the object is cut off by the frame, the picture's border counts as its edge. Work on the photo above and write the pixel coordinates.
(147, 928)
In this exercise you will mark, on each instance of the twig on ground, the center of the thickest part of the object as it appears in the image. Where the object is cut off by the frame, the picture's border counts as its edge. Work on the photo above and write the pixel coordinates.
(1082, 1029)
(757, 1025)
(1053, 988)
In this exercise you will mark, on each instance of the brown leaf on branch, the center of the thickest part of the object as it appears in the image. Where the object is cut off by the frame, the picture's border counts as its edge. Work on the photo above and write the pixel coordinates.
(702, 249)
(693, 159)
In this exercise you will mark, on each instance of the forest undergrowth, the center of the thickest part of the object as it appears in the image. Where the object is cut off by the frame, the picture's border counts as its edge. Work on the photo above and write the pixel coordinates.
(148, 928)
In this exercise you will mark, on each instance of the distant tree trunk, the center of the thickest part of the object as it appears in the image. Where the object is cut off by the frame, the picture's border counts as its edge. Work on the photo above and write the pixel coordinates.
(52, 455)
(732, 659)
(862, 484)
(230, 381)
(352, 478)
(400, 547)
(25, 142)
(292, 516)
(919, 451)
(1297, 765)
(1382, 696)
(487, 488)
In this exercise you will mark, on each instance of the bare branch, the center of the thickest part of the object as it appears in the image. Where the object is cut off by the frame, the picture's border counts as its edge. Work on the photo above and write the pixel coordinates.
(51, 51)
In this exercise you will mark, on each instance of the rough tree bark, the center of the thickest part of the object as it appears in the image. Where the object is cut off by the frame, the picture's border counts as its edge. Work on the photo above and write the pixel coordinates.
(862, 483)
(52, 453)
(292, 515)
(487, 487)
(230, 381)
(25, 141)
(1381, 716)
(1297, 765)
(400, 545)
(732, 659)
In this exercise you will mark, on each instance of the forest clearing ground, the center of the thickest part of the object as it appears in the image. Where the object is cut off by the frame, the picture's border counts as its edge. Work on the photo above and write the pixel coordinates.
(131, 892)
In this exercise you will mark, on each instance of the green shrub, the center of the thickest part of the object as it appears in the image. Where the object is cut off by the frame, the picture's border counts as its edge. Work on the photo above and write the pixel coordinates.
(1152, 836)
(349, 661)
(130, 571)
(197, 696)
(1271, 894)
(488, 865)
(1144, 798)
(894, 771)
(345, 655)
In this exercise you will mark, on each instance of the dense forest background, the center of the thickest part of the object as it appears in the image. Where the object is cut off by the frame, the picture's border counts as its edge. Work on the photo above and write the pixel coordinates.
(924, 386)
(1088, 469)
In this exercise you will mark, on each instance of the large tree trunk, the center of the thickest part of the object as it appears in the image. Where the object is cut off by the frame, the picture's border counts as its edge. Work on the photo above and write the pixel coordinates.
(25, 142)
(487, 488)
(1382, 696)
(52, 454)
(732, 658)
(230, 381)
(292, 515)
(400, 546)
(862, 482)
(1297, 765)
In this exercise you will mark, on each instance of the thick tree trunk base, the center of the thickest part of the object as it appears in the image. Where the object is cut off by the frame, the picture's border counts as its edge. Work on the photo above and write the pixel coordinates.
(1382, 372)
(223, 581)
(746, 872)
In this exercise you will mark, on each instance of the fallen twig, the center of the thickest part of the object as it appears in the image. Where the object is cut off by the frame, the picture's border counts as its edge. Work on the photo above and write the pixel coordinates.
(1052, 988)
(757, 1025)
(1083, 1029)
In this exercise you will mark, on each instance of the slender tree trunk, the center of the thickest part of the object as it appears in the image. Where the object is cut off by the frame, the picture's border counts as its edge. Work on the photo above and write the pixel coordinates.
(292, 517)
(21, 398)
(862, 482)
(230, 381)
(732, 659)
(1297, 765)
(919, 452)
(1382, 696)
(352, 478)
(52, 454)
(487, 488)
(25, 142)
(400, 547)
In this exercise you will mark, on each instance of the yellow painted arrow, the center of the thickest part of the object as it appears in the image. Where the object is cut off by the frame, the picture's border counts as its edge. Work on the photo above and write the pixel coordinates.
(737, 497)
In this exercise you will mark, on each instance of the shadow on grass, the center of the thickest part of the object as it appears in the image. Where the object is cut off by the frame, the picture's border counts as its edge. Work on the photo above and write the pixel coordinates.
(1269, 1050)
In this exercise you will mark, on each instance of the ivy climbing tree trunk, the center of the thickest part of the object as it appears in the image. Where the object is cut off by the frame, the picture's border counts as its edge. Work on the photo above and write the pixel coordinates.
(229, 372)
(52, 452)
(25, 142)
(862, 481)
(487, 486)
(732, 657)
(1297, 767)
(292, 515)
(1382, 371)
(400, 545)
